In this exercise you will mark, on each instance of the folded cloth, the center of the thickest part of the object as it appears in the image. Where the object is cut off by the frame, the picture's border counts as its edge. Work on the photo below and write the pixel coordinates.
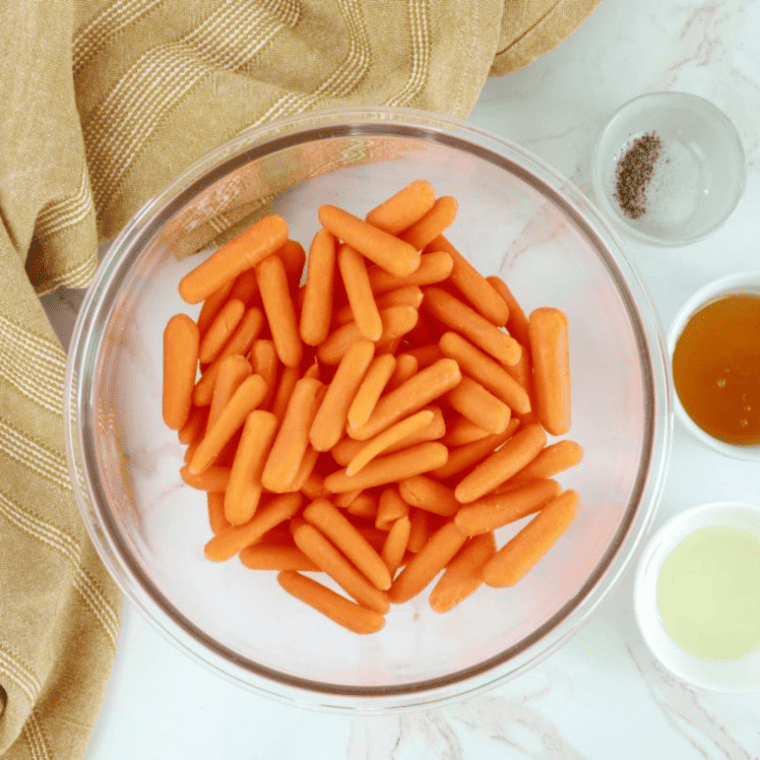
(103, 102)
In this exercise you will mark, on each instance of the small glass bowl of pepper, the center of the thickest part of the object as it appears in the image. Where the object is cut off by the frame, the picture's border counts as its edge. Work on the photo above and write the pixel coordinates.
(669, 168)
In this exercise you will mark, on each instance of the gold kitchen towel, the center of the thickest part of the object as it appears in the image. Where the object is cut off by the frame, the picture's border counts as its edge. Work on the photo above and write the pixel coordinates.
(102, 102)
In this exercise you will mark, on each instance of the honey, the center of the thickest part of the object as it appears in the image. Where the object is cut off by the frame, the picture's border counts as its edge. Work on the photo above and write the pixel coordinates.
(716, 368)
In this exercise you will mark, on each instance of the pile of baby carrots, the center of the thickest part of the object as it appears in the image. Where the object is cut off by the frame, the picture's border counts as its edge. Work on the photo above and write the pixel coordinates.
(376, 420)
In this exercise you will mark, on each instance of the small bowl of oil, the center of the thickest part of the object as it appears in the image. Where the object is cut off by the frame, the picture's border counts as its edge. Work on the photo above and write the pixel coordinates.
(714, 345)
(697, 596)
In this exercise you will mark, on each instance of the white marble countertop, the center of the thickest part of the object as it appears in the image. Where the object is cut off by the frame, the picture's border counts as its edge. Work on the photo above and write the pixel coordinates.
(602, 695)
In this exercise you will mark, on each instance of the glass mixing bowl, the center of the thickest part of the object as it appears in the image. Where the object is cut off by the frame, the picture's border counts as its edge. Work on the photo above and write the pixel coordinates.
(517, 218)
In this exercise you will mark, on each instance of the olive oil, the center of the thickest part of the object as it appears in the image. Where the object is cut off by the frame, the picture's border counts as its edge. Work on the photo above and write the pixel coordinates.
(708, 593)
(716, 368)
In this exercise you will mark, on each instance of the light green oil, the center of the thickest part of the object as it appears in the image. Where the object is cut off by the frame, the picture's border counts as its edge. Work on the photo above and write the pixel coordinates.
(708, 593)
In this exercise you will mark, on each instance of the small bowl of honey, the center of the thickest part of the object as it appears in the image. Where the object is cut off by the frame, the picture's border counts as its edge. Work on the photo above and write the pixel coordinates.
(697, 598)
(714, 345)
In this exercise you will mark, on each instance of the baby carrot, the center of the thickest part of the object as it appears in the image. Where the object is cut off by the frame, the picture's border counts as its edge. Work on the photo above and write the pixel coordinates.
(390, 436)
(364, 506)
(294, 260)
(478, 291)
(479, 405)
(499, 467)
(434, 267)
(342, 611)
(432, 224)
(229, 542)
(426, 563)
(220, 330)
(245, 399)
(460, 431)
(390, 507)
(459, 317)
(551, 460)
(489, 373)
(371, 387)
(418, 391)
(288, 378)
(522, 552)
(181, 341)
(403, 209)
(547, 330)
(426, 354)
(279, 309)
(245, 288)
(217, 521)
(245, 487)
(320, 550)
(421, 527)
(289, 447)
(394, 548)
(343, 500)
(463, 457)
(464, 574)
(330, 421)
(408, 295)
(498, 509)
(195, 426)
(232, 372)
(265, 361)
(353, 272)
(336, 527)
(212, 305)
(517, 323)
(406, 366)
(390, 468)
(243, 252)
(378, 246)
(266, 556)
(316, 310)
(215, 478)
(424, 492)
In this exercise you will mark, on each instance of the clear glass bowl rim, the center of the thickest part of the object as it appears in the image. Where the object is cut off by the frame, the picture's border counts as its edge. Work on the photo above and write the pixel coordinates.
(356, 122)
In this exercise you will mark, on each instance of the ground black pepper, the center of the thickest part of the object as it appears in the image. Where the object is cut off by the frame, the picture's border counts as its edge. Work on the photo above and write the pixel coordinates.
(634, 173)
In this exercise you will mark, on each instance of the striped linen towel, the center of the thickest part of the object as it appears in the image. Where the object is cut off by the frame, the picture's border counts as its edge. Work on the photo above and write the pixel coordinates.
(103, 102)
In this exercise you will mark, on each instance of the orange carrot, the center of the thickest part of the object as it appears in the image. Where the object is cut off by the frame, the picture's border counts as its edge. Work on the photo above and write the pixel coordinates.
(397, 321)
(215, 478)
(390, 468)
(243, 252)
(427, 563)
(390, 436)
(477, 290)
(342, 611)
(232, 372)
(390, 508)
(461, 318)
(353, 271)
(316, 311)
(384, 249)
(497, 468)
(212, 306)
(464, 574)
(294, 260)
(343, 500)
(314, 486)
(290, 444)
(308, 463)
(288, 378)
(336, 527)
(220, 330)
(364, 506)
(279, 309)
(265, 361)
(434, 267)
(418, 391)
(498, 509)
(424, 492)
(327, 557)
(245, 288)
(408, 295)
(547, 329)
(523, 551)
(553, 459)
(330, 420)
(229, 542)
(217, 521)
(195, 425)
(231, 418)
(489, 373)
(371, 387)
(395, 544)
(181, 341)
(460, 431)
(432, 224)
(463, 457)
(421, 527)
(403, 209)
(479, 405)
(517, 323)
(266, 556)
(406, 366)
(245, 487)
